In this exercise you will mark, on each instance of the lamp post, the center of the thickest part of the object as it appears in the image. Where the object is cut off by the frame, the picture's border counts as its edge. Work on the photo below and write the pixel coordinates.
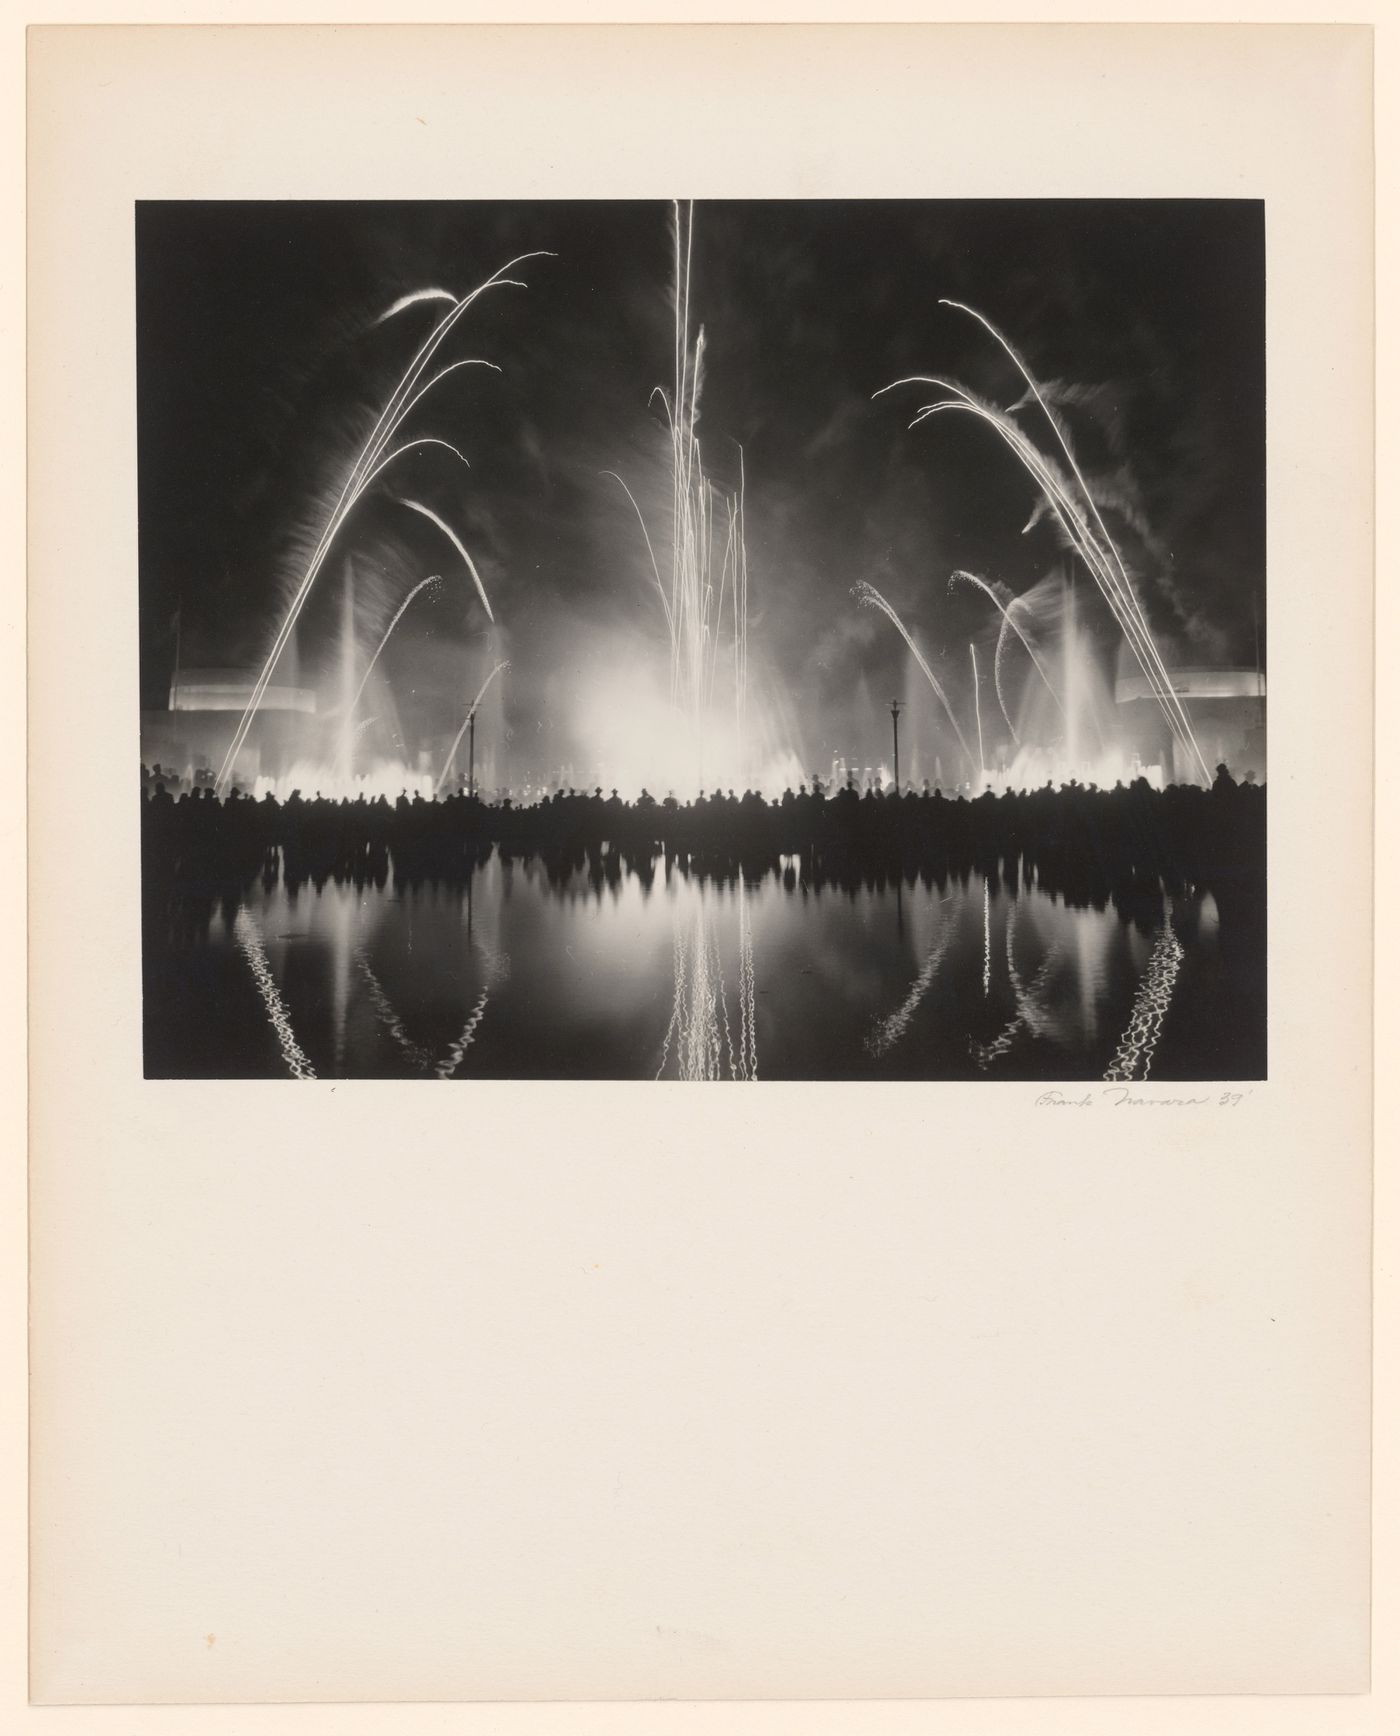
(895, 705)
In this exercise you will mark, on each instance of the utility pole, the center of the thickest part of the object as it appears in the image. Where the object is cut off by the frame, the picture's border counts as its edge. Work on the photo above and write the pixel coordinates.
(894, 718)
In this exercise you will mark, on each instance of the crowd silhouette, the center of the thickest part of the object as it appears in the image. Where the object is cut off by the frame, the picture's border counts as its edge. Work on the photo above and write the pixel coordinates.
(1088, 845)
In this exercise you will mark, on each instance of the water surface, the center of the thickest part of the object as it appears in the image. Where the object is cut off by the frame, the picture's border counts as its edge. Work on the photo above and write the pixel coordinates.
(522, 973)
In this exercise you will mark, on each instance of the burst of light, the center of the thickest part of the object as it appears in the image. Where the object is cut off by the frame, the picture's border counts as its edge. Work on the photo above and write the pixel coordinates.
(384, 777)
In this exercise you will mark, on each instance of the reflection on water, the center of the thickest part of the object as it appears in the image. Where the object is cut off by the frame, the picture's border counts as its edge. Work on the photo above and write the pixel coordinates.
(250, 943)
(524, 973)
(1133, 1057)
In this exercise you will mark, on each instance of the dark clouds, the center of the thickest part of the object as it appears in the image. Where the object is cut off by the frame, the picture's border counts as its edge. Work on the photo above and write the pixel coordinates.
(260, 371)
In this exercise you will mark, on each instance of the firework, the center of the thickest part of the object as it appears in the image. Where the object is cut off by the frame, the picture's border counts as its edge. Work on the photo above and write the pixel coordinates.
(471, 714)
(709, 560)
(399, 613)
(867, 595)
(373, 457)
(1073, 507)
(1006, 623)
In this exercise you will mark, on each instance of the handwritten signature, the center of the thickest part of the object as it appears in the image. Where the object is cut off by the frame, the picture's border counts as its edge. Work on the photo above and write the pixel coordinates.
(1124, 1097)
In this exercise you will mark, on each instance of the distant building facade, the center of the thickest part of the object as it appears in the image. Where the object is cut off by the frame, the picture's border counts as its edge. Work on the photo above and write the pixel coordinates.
(193, 733)
(1226, 710)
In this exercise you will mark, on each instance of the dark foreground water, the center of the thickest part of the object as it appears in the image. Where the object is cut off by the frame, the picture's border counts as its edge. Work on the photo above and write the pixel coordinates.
(525, 975)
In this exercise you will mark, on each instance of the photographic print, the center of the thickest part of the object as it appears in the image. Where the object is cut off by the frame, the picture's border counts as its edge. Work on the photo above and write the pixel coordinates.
(756, 554)
(703, 639)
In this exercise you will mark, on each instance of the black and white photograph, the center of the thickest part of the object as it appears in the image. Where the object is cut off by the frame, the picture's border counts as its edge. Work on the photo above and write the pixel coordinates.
(703, 640)
(837, 557)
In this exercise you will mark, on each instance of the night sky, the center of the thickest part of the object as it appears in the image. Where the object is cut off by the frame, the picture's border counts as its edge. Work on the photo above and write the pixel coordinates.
(260, 370)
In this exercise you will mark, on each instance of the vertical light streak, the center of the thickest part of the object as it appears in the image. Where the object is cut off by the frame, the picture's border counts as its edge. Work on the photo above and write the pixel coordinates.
(986, 937)
(977, 707)
(709, 560)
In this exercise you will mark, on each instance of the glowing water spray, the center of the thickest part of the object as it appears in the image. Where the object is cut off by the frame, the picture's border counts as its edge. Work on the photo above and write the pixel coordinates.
(977, 707)
(466, 722)
(346, 756)
(1073, 506)
(867, 595)
(1007, 622)
(709, 560)
(399, 613)
(374, 456)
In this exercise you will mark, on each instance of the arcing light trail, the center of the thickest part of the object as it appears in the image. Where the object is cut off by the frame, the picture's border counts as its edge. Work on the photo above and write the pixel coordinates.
(414, 296)
(866, 594)
(471, 713)
(422, 585)
(370, 462)
(456, 541)
(1006, 622)
(1097, 551)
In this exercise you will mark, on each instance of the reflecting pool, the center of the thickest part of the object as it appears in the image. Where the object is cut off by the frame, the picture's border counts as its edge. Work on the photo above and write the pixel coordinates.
(601, 972)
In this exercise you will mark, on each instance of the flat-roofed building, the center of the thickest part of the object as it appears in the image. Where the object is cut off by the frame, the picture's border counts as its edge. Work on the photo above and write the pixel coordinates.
(1225, 708)
(193, 733)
